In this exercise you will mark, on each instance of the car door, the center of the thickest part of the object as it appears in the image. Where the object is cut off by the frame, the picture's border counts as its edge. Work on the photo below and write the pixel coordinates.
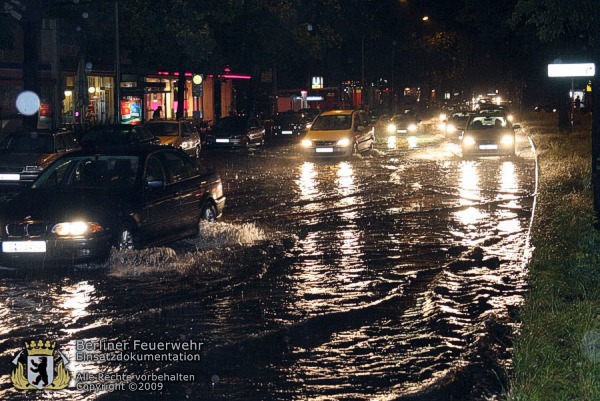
(160, 202)
(361, 130)
(183, 181)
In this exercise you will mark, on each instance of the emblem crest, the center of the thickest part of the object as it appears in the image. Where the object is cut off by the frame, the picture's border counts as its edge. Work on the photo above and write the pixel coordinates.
(44, 369)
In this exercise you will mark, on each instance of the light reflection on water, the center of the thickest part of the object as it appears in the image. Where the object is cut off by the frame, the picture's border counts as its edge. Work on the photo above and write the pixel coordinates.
(367, 229)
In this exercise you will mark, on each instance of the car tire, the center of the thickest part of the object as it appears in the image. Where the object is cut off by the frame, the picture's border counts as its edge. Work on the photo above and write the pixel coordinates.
(126, 238)
(197, 151)
(209, 213)
(354, 148)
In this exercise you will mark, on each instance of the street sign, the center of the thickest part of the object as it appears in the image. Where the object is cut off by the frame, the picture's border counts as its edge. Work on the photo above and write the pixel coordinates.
(572, 70)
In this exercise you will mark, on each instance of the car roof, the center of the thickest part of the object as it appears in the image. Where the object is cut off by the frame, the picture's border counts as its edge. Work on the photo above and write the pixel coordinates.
(42, 132)
(130, 150)
(340, 112)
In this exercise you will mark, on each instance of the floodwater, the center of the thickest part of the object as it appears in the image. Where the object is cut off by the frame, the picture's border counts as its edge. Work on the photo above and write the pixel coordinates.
(394, 275)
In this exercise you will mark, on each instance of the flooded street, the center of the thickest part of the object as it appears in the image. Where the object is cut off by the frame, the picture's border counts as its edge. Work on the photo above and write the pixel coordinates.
(392, 275)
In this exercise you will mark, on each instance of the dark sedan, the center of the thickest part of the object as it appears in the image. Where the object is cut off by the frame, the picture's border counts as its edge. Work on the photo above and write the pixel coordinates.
(24, 155)
(87, 202)
(237, 131)
(290, 125)
(117, 135)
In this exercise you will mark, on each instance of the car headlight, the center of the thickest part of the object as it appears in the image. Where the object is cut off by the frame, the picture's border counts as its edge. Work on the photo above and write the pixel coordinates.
(75, 228)
(507, 140)
(468, 141)
(306, 143)
(443, 116)
(510, 117)
(343, 142)
(412, 127)
(391, 128)
(450, 128)
(33, 169)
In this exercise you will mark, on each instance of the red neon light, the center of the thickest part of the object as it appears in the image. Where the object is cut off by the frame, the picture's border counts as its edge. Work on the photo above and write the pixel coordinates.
(235, 76)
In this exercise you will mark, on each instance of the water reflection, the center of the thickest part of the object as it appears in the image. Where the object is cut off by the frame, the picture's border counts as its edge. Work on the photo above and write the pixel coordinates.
(508, 180)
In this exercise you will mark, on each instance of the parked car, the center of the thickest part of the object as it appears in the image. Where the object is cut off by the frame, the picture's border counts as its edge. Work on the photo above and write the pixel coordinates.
(290, 125)
(117, 135)
(309, 114)
(25, 154)
(87, 202)
(489, 134)
(181, 134)
(339, 133)
(236, 131)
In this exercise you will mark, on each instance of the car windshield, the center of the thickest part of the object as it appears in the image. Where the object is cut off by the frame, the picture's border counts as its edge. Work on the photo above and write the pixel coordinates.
(163, 129)
(289, 118)
(28, 143)
(403, 119)
(332, 122)
(231, 123)
(91, 172)
(483, 122)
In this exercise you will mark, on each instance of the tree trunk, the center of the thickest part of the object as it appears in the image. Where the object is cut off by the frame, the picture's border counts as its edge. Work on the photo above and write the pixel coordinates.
(32, 28)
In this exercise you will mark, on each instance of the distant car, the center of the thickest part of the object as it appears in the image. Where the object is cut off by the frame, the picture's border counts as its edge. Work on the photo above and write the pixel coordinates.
(339, 133)
(290, 126)
(236, 131)
(181, 134)
(87, 202)
(403, 124)
(24, 155)
(492, 108)
(117, 135)
(489, 134)
(309, 115)
(455, 125)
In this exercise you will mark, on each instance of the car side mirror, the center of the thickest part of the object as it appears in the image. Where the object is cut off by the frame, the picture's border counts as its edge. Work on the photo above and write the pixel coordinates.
(155, 184)
(185, 134)
(360, 128)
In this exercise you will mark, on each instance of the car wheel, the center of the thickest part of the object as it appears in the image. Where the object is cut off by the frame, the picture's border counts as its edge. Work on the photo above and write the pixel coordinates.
(197, 152)
(209, 213)
(355, 148)
(126, 238)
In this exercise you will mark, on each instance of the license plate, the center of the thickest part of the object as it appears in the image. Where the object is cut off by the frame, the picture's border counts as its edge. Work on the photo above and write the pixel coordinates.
(10, 177)
(488, 147)
(324, 150)
(402, 131)
(286, 132)
(24, 246)
(219, 140)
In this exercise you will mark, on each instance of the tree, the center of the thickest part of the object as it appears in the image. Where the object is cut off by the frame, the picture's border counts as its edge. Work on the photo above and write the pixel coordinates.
(577, 22)
(28, 14)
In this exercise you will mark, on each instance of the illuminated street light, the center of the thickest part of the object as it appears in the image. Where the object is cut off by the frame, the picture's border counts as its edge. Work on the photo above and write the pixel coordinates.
(425, 18)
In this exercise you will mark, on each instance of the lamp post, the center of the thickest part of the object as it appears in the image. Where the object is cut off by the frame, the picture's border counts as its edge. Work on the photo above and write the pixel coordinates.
(117, 68)
(392, 80)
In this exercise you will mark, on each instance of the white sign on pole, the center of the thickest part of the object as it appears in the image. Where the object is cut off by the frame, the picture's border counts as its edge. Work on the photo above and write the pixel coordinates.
(572, 70)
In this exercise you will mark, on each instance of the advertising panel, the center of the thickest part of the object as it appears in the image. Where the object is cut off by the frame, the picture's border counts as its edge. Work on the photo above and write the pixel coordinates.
(131, 109)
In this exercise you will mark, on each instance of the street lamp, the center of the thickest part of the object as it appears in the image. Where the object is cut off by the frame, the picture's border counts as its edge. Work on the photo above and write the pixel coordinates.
(394, 43)
(117, 67)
